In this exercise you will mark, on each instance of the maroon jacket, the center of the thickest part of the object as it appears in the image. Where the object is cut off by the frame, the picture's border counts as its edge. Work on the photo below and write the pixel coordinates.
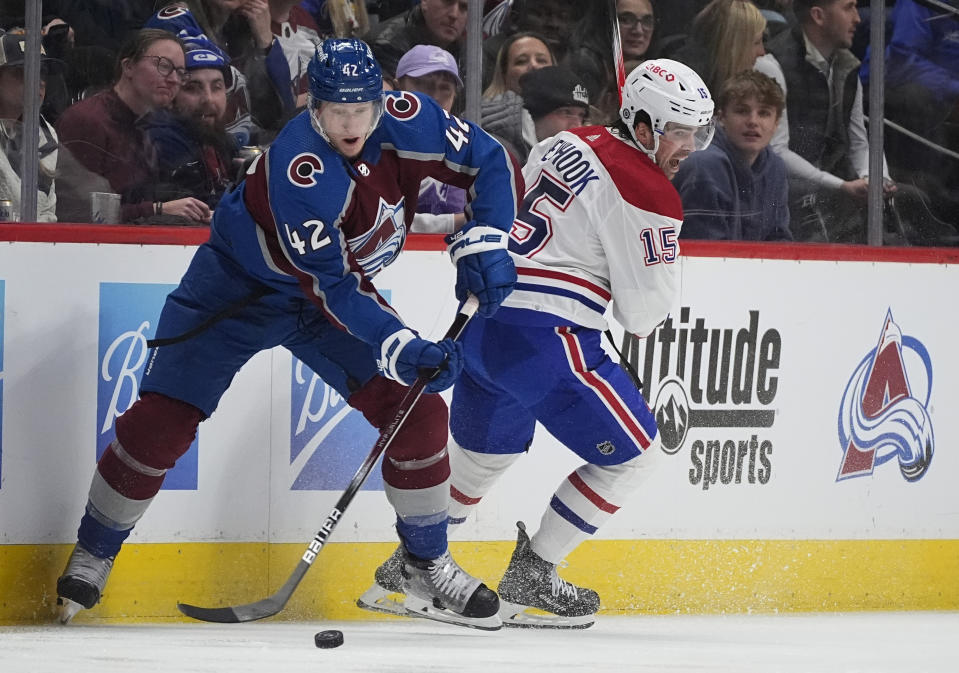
(104, 136)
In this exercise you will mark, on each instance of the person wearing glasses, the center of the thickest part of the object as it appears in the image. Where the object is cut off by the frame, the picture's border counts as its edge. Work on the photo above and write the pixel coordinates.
(259, 96)
(103, 145)
(195, 154)
(636, 24)
(592, 54)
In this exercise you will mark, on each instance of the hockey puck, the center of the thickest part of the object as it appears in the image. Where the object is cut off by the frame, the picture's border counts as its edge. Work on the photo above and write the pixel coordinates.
(328, 639)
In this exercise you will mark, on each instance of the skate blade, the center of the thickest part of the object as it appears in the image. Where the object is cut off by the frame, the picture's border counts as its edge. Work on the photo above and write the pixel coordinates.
(518, 616)
(67, 609)
(417, 607)
(378, 599)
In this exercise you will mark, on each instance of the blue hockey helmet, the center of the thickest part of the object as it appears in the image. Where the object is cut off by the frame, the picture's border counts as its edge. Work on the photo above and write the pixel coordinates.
(343, 70)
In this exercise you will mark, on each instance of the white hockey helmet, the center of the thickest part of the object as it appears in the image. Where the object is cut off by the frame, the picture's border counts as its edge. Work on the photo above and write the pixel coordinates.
(667, 91)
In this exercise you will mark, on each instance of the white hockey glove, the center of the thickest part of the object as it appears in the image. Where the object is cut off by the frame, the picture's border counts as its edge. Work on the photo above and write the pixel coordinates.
(404, 357)
(483, 266)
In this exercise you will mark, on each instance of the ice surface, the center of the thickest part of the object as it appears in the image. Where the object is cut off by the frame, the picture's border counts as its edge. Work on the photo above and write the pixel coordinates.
(828, 643)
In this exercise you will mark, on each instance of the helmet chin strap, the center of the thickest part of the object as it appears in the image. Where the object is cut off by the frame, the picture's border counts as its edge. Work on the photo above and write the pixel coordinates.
(651, 153)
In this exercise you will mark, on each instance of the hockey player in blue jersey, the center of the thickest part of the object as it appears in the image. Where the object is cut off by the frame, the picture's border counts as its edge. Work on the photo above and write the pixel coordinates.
(292, 253)
(597, 230)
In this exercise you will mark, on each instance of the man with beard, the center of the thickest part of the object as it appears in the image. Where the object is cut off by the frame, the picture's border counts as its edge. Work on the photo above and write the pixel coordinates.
(195, 154)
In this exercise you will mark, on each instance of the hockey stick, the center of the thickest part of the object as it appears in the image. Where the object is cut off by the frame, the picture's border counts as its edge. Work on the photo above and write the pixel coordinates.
(271, 605)
(619, 65)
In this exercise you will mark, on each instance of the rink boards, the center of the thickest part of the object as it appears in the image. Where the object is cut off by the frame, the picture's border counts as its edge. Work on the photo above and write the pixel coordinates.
(800, 391)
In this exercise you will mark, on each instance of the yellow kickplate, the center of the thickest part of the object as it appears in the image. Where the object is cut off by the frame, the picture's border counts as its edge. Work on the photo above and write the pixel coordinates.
(631, 576)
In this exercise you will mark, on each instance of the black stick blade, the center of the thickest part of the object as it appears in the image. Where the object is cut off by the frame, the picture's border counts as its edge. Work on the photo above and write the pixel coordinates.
(232, 615)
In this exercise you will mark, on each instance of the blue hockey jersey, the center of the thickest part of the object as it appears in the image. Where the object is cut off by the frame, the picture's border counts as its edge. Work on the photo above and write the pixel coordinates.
(306, 221)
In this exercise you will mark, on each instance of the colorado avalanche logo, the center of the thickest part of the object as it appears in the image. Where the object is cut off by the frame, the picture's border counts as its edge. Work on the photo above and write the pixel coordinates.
(302, 169)
(881, 416)
(379, 246)
(403, 105)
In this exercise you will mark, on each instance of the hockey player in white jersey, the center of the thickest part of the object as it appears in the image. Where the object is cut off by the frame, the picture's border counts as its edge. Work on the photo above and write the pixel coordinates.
(599, 224)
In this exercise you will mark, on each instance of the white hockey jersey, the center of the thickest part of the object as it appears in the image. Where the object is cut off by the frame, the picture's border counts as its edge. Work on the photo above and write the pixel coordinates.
(599, 222)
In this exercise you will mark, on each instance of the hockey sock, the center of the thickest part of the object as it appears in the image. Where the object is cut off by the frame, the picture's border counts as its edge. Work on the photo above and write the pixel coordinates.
(585, 500)
(423, 539)
(99, 538)
(472, 476)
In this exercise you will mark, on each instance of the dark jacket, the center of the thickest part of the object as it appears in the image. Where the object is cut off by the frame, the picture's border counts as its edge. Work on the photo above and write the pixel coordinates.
(724, 199)
(190, 161)
(924, 49)
(393, 38)
(819, 109)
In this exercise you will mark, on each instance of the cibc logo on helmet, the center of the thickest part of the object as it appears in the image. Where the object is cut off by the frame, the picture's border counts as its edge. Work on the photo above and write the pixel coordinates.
(657, 69)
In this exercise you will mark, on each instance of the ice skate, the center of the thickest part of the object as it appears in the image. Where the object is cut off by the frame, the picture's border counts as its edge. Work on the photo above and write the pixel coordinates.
(439, 589)
(386, 594)
(81, 584)
(533, 595)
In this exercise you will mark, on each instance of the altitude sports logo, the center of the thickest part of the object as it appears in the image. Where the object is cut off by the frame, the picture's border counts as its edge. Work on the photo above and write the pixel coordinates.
(884, 412)
(128, 318)
(714, 386)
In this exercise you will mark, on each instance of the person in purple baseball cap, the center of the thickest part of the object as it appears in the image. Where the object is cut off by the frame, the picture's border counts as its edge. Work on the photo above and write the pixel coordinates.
(431, 70)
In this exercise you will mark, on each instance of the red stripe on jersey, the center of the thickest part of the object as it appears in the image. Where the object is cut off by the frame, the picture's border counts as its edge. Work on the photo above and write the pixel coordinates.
(462, 498)
(557, 275)
(603, 388)
(592, 495)
(640, 182)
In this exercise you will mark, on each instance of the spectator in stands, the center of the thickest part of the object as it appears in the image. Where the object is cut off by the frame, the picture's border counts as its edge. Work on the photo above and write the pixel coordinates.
(76, 65)
(673, 19)
(519, 53)
(102, 146)
(502, 104)
(553, 19)
(341, 18)
(822, 136)
(922, 97)
(432, 71)
(554, 99)
(736, 189)
(726, 38)
(637, 22)
(591, 53)
(12, 56)
(299, 36)
(778, 14)
(259, 94)
(437, 22)
(195, 155)
(100, 23)
(383, 9)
